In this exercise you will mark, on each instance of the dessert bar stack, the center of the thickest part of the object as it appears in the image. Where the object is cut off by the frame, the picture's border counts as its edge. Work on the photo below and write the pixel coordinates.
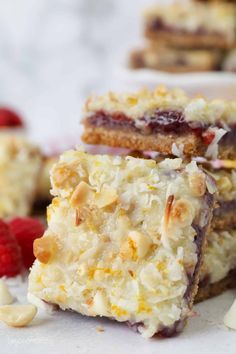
(130, 238)
(171, 123)
(188, 37)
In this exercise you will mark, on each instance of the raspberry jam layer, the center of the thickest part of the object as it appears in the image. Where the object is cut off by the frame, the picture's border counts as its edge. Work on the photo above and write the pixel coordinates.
(165, 121)
(160, 121)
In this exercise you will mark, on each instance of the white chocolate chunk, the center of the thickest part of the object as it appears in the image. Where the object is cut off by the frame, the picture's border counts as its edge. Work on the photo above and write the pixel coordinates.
(230, 317)
(6, 297)
(17, 315)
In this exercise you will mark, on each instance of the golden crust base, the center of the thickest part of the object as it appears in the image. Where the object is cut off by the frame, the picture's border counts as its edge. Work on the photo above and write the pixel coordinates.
(159, 142)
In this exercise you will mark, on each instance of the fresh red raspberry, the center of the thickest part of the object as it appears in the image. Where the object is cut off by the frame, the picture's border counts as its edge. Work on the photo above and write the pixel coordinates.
(9, 118)
(10, 253)
(26, 230)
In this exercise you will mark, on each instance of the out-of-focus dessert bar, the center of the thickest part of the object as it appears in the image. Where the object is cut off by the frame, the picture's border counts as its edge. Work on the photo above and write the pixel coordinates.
(175, 60)
(188, 37)
(20, 164)
(192, 25)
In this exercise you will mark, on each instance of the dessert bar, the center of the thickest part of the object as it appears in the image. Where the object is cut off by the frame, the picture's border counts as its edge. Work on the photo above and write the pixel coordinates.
(218, 272)
(175, 60)
(193, 25)
(165, 121)
(20, 164)
(125, 239)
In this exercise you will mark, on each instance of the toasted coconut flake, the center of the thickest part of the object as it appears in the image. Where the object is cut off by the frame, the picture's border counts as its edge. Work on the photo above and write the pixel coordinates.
(168, 208)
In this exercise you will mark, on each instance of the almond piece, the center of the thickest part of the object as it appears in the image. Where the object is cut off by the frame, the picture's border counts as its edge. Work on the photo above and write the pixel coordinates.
(17, 315)
(182, 213)
(197, 183)
(64, 177)
(230, 317)
(81, 195)
(107, 196)
(6, 297)
(44, 249)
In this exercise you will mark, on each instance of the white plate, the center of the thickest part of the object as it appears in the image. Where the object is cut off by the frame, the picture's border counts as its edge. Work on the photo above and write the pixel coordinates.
(211, 84)
(69, 333)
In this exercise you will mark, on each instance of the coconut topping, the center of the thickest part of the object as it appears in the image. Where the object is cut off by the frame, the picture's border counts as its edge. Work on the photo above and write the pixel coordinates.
(142, 103)
(20, 163)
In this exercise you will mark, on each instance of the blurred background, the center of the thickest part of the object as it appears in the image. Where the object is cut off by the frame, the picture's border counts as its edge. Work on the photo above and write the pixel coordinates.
(54, 53)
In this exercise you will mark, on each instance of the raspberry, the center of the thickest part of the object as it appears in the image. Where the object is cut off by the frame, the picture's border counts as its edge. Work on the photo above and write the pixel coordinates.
(9, 118)
(10, 253)
(26, 230)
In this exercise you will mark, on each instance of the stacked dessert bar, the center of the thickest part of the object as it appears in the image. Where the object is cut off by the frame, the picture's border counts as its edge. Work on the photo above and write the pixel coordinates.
(130, 238)
(185, 37)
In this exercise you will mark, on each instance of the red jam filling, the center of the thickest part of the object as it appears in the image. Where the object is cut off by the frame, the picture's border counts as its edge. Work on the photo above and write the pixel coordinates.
(161, 121)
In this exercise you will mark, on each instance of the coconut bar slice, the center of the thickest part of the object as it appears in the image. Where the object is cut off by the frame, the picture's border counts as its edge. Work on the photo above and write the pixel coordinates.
(218, 271)
(165, 121)
(175, 60)
(192, 25)
(20, 164)
(124, 240)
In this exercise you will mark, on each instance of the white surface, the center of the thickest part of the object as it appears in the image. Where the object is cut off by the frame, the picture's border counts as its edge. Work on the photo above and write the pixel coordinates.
(65, 332)
(211, 84)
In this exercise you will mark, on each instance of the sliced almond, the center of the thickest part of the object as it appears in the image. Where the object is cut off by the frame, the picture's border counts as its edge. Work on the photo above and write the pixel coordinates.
(82, 194)
(64, 176)
(45, 248)
(17, 315)
(197, 183)
(181, 213)
(230, 317)
(6, 297)
(106, 197)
